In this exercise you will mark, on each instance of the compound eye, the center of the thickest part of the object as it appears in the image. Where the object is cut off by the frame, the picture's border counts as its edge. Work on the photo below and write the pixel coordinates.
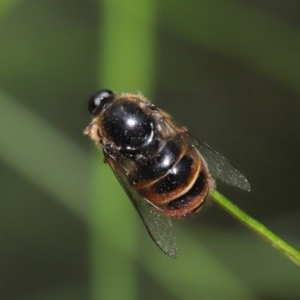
(98, 100)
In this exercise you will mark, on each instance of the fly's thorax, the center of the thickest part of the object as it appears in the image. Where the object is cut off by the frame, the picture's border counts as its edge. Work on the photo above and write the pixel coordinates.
(129, 127)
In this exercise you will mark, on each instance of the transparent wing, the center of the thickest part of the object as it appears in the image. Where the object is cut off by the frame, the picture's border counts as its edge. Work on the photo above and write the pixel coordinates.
(159, 226)
(220, 167)
(217, 164)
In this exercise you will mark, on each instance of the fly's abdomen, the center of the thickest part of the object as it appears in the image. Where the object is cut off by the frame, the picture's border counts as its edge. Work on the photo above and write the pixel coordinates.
(176, 181)
(156, 166)
(191, 201)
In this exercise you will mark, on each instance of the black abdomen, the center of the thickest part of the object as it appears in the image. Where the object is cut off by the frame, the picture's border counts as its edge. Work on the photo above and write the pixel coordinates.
(175, 181)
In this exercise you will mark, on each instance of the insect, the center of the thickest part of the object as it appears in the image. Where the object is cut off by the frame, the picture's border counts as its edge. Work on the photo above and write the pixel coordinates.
(166, 173)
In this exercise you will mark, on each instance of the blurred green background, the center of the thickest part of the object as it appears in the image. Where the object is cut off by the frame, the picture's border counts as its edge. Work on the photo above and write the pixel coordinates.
(229, 70)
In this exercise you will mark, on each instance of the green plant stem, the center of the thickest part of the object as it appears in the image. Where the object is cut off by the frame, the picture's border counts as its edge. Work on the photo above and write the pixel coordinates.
(257, 227)
(125, 63)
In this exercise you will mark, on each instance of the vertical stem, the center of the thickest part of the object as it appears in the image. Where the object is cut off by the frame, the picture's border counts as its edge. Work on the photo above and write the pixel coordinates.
(125, 63)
